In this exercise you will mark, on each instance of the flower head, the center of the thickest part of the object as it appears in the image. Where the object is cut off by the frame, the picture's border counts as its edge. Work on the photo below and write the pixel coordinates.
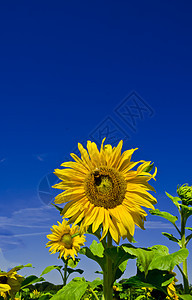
(65, 240)
(185, 193)
(101, 187)
(10, 283)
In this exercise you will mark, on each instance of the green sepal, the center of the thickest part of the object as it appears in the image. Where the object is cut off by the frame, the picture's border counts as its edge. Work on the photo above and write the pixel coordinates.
(186, 210)
(164, 215)
(171, 237)
(58, 208)
(149, 168)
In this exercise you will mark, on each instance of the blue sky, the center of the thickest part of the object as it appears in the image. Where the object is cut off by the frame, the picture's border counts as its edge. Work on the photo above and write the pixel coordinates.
(72, 71)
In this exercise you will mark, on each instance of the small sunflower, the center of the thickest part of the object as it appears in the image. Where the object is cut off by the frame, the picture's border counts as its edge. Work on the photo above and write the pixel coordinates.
(101, 187)
(10, 283)
(65, 240)
(171, 291)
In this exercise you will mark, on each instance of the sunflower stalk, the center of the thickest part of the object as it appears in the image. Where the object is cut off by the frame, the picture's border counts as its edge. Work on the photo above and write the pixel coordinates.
(108, 273)
(183, 245)
(65, 271)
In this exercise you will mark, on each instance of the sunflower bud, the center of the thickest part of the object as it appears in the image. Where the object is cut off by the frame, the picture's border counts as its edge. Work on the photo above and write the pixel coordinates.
(185, 193)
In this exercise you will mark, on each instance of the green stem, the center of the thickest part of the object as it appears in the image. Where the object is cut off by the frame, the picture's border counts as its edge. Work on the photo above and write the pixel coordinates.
(94, 294)
(65, 272)
(108, 273)
(183, 245)
(61, 274)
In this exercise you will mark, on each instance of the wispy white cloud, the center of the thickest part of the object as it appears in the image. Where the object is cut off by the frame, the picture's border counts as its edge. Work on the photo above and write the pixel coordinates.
(157, 225)
(31, 234)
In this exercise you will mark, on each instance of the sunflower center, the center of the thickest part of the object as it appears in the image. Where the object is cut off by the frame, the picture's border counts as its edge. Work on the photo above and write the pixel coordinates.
(105, 187)
(67, 241)
(3, 279)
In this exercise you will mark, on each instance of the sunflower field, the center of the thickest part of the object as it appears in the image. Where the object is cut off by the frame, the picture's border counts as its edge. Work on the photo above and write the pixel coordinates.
(104, 194)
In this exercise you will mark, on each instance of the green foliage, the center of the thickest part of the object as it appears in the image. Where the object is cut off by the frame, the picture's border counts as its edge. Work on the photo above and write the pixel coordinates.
(74, 290)
(31, 280)
(171, 237)
(168, 262)
(50, 268)
(187, 211)
(93, 255)
(175, 200)
(97, 248)
(156, 257)
(73, 263)
(119, 258)
(70, 270)
(164, 215)
(185, 297)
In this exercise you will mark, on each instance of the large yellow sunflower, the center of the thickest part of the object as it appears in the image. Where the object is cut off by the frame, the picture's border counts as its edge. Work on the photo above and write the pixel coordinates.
(10, 283)
(65, 240)
(101, 187)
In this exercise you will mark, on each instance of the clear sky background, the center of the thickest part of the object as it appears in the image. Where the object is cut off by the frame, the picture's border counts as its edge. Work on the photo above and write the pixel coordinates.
(77, 70)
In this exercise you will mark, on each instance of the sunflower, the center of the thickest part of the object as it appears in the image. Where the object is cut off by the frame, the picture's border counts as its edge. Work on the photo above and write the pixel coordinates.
(101, 187)
(65, 240)
(171, 288)
(10, 283)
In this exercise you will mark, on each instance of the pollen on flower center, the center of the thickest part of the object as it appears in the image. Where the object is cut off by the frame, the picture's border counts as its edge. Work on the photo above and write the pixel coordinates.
(67, 241)
(105, 187)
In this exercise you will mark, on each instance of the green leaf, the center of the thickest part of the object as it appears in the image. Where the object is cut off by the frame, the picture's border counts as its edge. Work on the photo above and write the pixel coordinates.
(45, 296)
(168, 262)
(74, 290)
(97, 248)
(171, 237)
(119, 257)
(156, 257)
(188, 238)
(86, 251)
(120, 270)
(175, 200)
(73, 263)
(30, 280)
(69, 270)
(188, 228)
(145, 255)
(164, 215)
(17, 268)
(135, 281)
(95, 283)
(50, 268)
(185, 297)
(140, 297)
